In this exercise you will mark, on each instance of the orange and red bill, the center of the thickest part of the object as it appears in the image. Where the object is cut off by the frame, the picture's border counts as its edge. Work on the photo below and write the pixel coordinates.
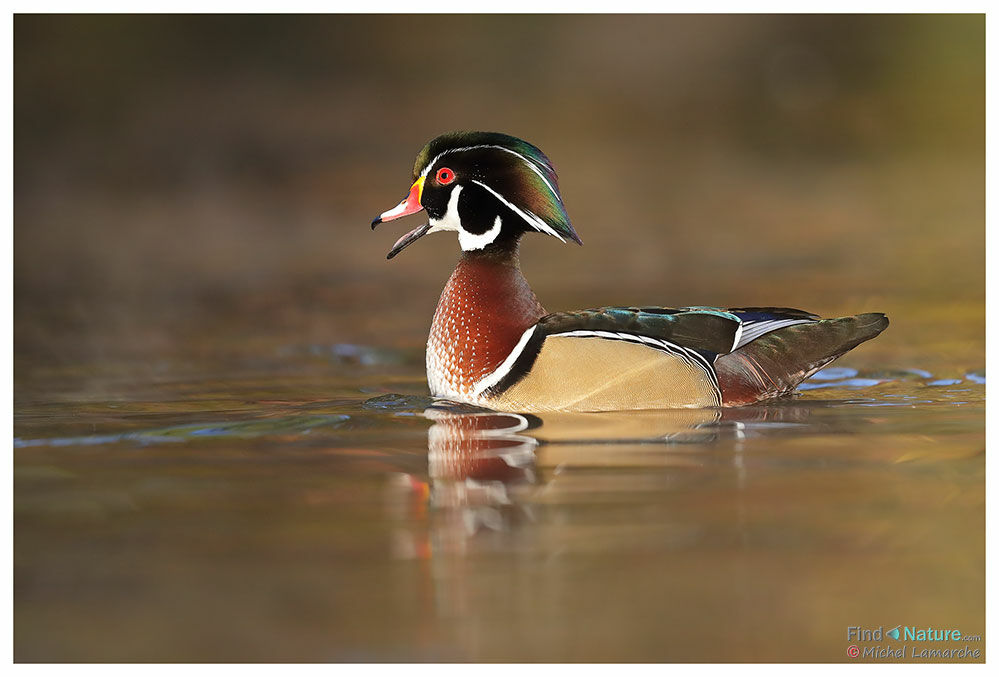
(410, 205)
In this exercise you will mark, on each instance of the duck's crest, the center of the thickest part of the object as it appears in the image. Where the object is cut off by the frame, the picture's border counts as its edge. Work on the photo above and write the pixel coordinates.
(536, 188)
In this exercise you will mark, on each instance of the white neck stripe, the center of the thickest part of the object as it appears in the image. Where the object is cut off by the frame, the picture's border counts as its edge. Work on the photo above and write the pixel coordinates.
(504, 368)
(470, 241)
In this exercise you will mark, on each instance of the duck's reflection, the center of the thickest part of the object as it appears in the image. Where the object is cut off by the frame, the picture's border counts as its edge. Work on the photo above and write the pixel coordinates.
(486, 469)
(480, 447)
(508, 493)
(478, 462)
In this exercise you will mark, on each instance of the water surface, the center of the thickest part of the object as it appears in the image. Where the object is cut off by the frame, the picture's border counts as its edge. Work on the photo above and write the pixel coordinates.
(319, 507)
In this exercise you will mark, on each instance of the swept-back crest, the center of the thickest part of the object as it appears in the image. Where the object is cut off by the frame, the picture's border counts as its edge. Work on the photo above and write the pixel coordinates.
(532, 190)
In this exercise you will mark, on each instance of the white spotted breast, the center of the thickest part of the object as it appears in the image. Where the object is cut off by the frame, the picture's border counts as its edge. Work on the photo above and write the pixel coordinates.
(484, 309)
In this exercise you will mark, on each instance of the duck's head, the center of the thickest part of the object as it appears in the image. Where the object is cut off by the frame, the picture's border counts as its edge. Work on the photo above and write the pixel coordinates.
(490, 188)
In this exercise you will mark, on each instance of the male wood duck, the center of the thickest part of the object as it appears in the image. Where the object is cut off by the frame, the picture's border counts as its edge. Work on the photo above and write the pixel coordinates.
(493, 344)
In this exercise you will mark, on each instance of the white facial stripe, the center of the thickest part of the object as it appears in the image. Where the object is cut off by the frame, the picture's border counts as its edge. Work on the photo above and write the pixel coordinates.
(470, 241)
(528, 215)
(530, 163)
(542, 226)
(451, 220)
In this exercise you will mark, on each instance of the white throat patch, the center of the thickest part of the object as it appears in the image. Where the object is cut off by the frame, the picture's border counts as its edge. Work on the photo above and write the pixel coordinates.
(452, 222)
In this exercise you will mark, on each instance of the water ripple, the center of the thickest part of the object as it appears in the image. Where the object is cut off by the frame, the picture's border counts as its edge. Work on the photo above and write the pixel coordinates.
(298, 425)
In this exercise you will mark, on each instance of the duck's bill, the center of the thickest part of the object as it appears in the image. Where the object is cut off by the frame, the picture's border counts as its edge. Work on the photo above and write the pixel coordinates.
(408, 239)
(410, 205)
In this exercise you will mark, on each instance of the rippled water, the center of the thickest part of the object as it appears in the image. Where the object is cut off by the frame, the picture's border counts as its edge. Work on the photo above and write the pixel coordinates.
(320, 508)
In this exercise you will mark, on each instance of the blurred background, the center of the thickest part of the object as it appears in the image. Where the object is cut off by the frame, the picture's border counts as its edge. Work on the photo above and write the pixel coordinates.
(197, 185)
(222, 451)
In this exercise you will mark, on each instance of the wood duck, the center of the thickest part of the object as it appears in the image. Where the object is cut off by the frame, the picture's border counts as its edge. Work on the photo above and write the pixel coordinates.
(493, 344)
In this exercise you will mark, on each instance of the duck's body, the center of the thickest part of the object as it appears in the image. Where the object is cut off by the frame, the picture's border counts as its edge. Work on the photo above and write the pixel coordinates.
(493, 344)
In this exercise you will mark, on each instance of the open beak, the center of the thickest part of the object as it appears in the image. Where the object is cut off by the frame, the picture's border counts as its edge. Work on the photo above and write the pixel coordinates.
(410, 205)
(408, 239)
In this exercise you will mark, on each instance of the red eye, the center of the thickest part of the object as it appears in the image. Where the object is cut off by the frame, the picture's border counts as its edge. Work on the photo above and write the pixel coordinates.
(444, 176)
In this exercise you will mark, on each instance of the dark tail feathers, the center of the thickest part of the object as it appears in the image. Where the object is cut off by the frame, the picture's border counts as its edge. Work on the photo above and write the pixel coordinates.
(776, 363)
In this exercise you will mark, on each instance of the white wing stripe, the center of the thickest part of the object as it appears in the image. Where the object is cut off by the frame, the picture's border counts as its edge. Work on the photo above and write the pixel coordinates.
(755, 329)
(738, 337)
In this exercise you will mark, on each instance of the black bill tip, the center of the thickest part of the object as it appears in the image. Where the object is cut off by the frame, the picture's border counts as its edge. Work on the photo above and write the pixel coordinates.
(408, 239)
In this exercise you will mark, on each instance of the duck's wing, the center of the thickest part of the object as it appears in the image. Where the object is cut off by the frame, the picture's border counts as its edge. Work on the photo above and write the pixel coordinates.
(616, 358)
(709, 330)
(648, 357)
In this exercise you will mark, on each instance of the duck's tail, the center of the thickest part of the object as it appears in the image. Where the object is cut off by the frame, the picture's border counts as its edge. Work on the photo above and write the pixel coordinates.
(775, 363)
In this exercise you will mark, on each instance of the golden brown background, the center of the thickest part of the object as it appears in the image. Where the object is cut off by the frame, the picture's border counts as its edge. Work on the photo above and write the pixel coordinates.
(200, 183)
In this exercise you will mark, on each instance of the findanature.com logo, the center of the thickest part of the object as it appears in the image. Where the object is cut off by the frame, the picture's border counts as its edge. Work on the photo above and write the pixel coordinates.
(910, 633)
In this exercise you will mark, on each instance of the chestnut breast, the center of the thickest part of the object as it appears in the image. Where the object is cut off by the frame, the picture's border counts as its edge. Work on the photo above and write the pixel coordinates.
(485, 308)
